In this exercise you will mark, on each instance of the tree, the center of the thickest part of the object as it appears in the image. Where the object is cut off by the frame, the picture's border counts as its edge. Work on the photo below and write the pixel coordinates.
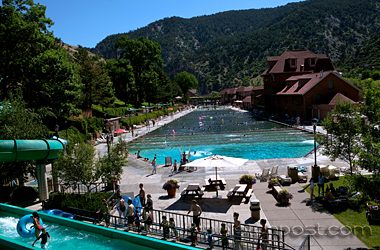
(185, 81)
(344, 125)
(144, 57)
(370, 151)
(18, 122)
(97, 86)
(77, 165)
(110, 165)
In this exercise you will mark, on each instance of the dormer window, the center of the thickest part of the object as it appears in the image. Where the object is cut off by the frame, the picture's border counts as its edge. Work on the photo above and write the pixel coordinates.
(293, 62)
(312, 62)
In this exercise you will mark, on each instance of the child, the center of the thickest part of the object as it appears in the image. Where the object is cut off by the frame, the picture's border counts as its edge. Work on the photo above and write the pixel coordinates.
(165, 227)
(223, 232)
(193, 234)
(44, 237)
(173, 229)
(36, 223)
(209, 238)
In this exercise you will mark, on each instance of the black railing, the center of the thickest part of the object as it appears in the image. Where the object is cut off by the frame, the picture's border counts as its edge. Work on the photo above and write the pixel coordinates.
(249, 237)
(78, 188)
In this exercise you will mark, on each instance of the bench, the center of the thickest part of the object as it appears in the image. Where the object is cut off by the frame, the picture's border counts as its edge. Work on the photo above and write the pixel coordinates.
(248, 195)
(276, 190)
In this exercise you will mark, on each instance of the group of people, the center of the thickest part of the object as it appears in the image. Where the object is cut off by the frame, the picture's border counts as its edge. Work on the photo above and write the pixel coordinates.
(40, 231)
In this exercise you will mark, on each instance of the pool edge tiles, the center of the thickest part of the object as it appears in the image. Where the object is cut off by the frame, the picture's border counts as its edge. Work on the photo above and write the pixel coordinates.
(145, 241)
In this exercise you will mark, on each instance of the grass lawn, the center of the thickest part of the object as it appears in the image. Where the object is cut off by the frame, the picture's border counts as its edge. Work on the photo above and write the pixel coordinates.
(356, 221)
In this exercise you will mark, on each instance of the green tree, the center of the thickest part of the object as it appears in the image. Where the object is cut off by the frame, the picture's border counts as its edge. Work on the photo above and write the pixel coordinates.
(144, 56)
(185, 81)
(97, 86)
(77, 165)
(33, 63)
(370, 150)
(110, 166)
(121, 73)
(344, 125)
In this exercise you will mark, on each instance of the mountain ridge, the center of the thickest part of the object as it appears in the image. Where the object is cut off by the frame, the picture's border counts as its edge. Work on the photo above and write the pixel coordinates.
(229, 48)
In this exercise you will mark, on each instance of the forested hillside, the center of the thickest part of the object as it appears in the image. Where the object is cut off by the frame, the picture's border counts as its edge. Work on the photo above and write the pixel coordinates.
(229, 48)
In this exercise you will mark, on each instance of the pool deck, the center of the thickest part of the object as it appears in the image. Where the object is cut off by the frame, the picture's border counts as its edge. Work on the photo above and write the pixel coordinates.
(297, 217)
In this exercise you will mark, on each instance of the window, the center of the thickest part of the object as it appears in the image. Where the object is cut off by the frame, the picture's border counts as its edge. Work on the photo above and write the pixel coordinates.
(293, 62)
(312, 62)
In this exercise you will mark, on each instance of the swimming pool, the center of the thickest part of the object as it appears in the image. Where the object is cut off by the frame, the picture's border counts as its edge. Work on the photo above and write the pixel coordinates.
(70, 234)
(224, 132)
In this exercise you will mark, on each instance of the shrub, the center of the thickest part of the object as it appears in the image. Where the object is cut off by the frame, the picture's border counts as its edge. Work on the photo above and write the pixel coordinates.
(21, 194)
(247, 179)
(172, 183)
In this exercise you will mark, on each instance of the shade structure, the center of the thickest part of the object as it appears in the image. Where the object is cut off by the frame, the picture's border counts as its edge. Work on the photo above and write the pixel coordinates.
(217, 161)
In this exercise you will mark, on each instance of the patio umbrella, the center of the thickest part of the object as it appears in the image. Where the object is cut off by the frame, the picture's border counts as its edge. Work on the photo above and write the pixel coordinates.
(217, 161)
(120, 131)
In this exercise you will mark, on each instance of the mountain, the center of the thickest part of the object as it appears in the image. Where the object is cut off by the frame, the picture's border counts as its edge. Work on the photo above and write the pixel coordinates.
(230, 48)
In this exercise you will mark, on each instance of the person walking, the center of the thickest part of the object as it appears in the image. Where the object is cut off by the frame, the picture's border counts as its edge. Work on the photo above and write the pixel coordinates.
(264, 234)
(154, 166)
(142, 194)
(121, 208)
(237, 231)
(321, 185)
(149, 203)
(130, 213)
(197, 211)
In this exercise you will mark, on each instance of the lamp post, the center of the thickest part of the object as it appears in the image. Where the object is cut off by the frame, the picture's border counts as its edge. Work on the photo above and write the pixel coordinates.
(315, 145)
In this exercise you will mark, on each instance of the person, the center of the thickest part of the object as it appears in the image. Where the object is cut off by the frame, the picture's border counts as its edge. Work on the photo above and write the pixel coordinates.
(121, 208)
(321, 185)
(237, 231)
(36, 223)
(165, 227)
(223, 232)
(175, 166)
(147, 219)
(142, 194)
(130, 213)
(210, 241)
(149, 203)
(311, 189)
(264, 234)
(173, 228)
(154, 167)
(193, 234)
(330, 188)
(107, 212)
(197, 211)
(138, 154)
(43, 237)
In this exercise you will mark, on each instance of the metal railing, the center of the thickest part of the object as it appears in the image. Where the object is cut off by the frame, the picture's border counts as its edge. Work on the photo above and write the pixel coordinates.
(78, 188)
(249, 237)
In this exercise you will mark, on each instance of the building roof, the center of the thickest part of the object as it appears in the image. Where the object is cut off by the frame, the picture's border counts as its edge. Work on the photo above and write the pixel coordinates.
(301, 84)
(339, 98)
(278, 64)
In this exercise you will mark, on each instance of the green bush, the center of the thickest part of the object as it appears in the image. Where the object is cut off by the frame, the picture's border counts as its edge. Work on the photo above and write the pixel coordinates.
(88, 201)
(21, 194)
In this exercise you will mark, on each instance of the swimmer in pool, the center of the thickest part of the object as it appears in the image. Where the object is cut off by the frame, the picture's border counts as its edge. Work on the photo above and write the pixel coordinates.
(36, 224)
(44, 237)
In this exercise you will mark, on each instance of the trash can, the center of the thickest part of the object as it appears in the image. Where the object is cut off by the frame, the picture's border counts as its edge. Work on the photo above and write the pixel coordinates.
(293, 173)
(255, 208)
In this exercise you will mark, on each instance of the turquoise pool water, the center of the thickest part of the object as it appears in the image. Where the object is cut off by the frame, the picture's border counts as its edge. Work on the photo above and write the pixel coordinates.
(65, 238)
(224, 132)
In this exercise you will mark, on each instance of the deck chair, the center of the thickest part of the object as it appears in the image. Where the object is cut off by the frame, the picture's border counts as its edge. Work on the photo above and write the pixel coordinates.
(273, 172)
(264, 175)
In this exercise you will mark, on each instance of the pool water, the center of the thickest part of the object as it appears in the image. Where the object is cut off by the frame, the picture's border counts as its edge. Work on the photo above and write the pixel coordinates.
(65, 238)
(224, 132)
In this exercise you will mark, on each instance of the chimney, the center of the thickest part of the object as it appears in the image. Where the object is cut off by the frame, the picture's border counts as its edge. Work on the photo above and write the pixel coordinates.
(301, 67)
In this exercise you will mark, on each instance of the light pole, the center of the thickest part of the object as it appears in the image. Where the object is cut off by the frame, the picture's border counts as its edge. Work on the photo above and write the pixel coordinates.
(315, 145)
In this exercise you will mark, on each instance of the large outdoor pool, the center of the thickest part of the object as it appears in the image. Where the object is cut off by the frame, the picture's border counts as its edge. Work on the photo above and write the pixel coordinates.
(224, 132)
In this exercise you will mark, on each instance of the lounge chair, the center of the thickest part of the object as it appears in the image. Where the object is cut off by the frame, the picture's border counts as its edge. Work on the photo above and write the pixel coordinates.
(264, 175)
(273, 172)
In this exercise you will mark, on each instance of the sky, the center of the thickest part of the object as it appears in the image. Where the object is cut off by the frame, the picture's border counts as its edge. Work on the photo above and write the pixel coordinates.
(87, 22)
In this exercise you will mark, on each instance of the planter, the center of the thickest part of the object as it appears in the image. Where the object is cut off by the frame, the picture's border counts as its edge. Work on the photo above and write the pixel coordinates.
(171, 192)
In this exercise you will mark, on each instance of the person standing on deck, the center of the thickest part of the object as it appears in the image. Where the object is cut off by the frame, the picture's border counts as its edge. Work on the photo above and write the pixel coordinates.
(154, 166)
